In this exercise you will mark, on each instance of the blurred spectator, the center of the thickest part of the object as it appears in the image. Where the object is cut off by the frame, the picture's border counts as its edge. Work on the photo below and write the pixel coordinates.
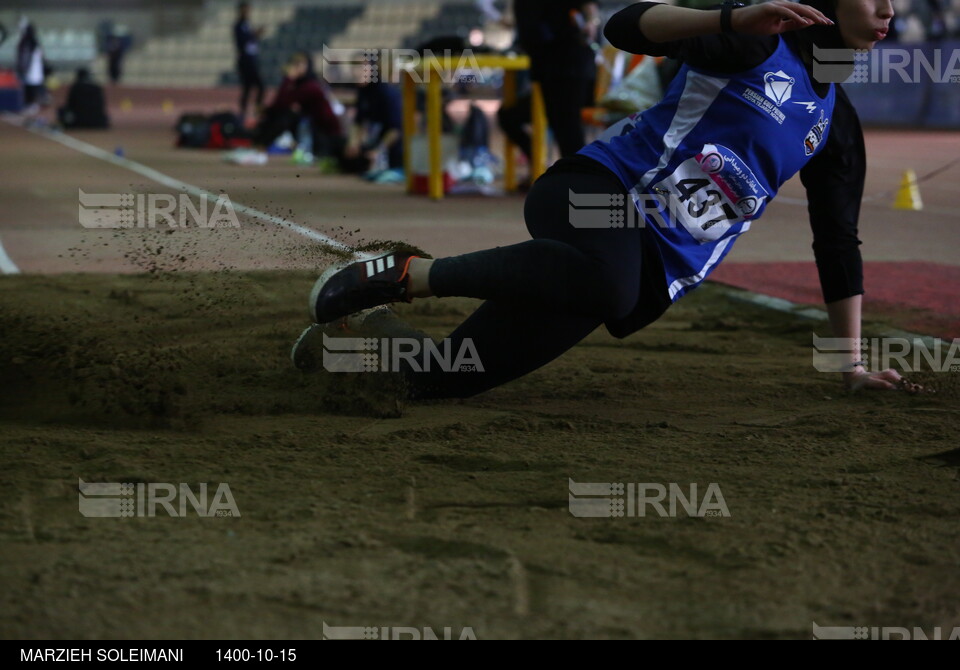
(560, 38)
(3, 33)
(247, 40)
(375, 143)
(937, 25)
(31, 68)
(86, 106)
(497, 33)
(490, 11)
(301, 95)
(118, 42)
(318, 106)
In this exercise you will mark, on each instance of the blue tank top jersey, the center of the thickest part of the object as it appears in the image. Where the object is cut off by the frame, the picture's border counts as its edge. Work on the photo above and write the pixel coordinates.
(703, 164)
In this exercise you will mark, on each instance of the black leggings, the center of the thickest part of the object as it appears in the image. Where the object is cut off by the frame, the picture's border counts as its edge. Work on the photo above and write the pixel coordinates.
(542, 296)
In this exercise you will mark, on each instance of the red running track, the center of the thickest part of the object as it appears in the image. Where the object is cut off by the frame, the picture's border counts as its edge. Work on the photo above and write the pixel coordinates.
(923, 293)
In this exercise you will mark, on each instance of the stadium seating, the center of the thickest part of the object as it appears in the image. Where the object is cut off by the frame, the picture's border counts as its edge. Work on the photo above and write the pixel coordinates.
(452, 19)
(197, 50)
(307, 30)
(64, 49)
(198, 58)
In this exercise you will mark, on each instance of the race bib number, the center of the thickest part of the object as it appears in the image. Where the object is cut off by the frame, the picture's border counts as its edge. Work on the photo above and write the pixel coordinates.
(711, 192)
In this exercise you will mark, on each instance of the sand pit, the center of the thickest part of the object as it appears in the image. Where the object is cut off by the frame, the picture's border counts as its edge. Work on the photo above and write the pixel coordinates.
(842, 506)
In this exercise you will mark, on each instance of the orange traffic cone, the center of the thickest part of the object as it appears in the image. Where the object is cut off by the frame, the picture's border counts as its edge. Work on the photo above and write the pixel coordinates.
(908, 195)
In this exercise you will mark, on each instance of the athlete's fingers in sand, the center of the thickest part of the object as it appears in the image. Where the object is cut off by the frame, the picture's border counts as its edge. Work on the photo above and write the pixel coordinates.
(888, 380)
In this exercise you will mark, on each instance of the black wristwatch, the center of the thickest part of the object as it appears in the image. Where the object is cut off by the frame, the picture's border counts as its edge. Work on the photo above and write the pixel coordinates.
(726, 16)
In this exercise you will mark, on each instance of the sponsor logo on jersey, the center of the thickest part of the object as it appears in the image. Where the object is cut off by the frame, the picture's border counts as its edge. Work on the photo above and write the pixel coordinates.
(815, 136)
(778, 86)
(748, 207)
(712, 162)
(765, 104)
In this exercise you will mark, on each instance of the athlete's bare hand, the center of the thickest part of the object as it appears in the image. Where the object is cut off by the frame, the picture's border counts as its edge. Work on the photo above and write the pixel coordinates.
(773, 18)
(888, 380)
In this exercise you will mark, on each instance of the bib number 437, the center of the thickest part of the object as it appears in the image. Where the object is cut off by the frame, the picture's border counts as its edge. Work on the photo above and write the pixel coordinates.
(711, 192)
(700, 203)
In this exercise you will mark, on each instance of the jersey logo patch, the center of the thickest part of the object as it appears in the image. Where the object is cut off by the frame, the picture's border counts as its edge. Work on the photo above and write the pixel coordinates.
(778, 86)
(815, 136)
(811, 106)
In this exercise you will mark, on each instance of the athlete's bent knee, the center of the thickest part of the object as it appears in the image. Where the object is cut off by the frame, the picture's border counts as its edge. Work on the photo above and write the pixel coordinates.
(617, 295)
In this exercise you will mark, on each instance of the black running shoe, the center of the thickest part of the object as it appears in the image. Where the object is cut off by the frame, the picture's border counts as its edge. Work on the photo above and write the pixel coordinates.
(342, 291)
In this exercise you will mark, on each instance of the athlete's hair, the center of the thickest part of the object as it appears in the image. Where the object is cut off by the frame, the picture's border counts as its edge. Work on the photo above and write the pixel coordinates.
(828, 7)
(825, 37)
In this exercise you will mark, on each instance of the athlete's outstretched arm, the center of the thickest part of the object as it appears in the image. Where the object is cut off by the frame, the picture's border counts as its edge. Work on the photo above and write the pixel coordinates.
(667, 23)
(658, 23)
(694, 35)
(834, 181)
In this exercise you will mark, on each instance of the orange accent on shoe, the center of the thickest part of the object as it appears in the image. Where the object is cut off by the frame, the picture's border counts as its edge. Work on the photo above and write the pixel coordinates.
(406, 274)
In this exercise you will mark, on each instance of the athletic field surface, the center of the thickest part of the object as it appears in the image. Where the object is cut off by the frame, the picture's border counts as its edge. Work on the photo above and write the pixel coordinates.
(700, 478)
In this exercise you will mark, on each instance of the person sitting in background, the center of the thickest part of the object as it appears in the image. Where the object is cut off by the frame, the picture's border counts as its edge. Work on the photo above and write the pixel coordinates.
(324, 115)
(86, 106)
(301, 95)
(375, 144)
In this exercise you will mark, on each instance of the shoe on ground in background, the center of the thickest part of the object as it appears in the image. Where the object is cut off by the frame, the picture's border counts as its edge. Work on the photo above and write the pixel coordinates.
(246, 157)
(390, 177)
(328, 165)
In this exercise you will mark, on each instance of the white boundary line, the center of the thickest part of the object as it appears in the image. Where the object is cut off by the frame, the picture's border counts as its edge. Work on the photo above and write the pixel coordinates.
(176, 184)
(7, 266)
